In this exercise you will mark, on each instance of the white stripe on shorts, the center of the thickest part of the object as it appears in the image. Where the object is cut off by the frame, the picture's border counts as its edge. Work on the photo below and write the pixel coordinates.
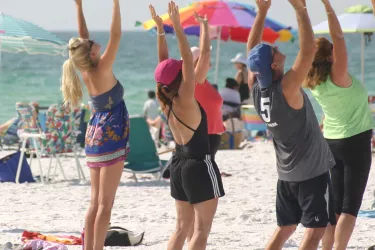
(213, 176)
(326, 196)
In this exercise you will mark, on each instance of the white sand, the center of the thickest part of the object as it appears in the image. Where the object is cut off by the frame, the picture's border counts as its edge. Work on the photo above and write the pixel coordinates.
(245, 218)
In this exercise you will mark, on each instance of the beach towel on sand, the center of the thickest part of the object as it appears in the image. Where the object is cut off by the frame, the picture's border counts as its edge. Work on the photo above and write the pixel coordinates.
(66, 240)
(42, 244)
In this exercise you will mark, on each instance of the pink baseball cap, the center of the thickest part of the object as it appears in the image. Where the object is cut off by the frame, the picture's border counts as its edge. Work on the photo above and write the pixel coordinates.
(167, 71)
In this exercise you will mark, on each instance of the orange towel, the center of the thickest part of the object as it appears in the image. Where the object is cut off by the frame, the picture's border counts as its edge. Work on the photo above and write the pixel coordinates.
(66, 240)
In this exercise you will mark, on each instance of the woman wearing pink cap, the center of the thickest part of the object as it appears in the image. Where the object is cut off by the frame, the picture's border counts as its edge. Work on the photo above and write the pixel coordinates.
(205, 93)
(195, 178)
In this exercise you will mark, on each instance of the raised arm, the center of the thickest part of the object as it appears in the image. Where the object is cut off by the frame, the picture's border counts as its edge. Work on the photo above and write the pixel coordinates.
(109, 55)
(186, 90)
(256, 32)
(82, 27)
(293, 79)
(162, 42)
(203, 65)
(339, 72)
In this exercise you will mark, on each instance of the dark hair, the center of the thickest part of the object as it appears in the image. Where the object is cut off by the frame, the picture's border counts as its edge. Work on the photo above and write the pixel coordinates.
(321, 67)
(151, 94)
(166, 93)
(231, 83)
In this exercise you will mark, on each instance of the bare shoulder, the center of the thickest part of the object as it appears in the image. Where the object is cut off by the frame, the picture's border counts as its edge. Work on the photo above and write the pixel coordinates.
(294, 98)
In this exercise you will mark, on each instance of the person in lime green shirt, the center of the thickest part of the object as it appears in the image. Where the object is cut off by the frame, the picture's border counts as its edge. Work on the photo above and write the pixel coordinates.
(347, 127)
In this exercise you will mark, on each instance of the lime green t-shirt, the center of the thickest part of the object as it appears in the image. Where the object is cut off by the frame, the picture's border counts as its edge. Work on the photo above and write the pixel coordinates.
(346, 110)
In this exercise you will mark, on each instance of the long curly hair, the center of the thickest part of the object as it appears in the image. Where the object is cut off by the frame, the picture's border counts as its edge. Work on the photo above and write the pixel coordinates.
(166, 93)
(321, 67)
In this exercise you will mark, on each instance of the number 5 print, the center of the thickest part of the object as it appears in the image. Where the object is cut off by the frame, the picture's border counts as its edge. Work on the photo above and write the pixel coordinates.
(265, 109)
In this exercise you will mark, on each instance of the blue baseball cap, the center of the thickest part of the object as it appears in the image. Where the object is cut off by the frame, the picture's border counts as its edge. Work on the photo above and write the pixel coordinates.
(259, 62)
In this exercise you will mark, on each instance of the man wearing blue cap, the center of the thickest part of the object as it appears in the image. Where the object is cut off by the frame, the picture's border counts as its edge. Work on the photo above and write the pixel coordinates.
(303, 157)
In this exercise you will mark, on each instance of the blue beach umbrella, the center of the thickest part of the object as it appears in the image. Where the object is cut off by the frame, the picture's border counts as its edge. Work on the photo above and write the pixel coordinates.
(18, 36)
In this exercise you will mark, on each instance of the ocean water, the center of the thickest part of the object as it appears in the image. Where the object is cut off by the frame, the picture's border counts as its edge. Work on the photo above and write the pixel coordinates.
(26, 77)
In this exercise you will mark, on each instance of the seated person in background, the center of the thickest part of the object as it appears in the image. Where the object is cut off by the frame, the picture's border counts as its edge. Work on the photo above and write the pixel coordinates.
(241, 77)
(15, 120)
(5, 126)
(151, 106)
(231, 99)
(10, 130)
(164, 134)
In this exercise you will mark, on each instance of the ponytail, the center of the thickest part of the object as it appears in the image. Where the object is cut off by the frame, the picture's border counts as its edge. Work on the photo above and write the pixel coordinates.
(71, 85)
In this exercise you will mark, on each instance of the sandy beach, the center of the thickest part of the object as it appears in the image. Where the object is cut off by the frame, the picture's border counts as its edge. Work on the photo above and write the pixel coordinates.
(245, 218)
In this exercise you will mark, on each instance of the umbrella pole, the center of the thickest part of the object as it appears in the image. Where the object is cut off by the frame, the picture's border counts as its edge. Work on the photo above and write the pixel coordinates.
(363, 58)
(217, 56)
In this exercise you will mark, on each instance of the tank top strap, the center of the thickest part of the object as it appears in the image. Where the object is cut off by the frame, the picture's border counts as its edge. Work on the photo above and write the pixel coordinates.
(178, 119)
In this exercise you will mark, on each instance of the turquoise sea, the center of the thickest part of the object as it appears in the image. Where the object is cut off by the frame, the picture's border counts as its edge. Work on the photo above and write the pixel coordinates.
(26, 77)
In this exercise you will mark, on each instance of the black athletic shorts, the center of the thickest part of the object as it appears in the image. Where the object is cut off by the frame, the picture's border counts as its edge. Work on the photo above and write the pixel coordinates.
(215, 141)
(195, 180)
(349, 176)
(307, 202)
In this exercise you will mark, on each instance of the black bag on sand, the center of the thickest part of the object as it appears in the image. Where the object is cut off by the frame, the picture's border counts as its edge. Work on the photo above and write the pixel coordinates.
(118, 236)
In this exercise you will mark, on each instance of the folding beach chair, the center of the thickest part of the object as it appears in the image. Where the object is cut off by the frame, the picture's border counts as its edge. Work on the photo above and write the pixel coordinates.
(143, 157)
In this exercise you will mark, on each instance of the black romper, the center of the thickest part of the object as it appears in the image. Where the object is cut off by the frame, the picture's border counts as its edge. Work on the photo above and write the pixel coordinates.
(195, 177)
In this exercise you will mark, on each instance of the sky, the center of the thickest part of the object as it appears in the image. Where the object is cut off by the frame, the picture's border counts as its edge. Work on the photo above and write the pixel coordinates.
(59, 15)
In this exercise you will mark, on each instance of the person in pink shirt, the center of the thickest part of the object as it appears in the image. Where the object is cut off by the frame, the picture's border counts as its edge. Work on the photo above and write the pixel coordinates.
(206, 94)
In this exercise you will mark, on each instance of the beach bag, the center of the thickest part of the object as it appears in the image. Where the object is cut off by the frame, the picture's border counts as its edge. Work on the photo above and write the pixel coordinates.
(8, 169)
(118, 236)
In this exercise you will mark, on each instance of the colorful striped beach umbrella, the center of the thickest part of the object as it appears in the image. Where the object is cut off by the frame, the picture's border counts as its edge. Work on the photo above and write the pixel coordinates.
(228, 21)
(21, 36)
(357, 19)
(235, 19)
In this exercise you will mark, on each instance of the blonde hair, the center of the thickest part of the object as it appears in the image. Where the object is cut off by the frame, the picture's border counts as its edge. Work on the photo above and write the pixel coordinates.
(79, 59)
(321, 67)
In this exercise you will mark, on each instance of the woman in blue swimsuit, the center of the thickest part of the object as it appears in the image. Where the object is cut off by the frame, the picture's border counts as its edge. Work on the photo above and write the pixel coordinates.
(107, 134)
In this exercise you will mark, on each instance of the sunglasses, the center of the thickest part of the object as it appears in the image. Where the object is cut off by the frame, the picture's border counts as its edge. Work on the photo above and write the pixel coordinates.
(91, 42)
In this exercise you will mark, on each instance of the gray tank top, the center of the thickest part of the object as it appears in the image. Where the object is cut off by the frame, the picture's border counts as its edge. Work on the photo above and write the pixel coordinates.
(302, 152)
